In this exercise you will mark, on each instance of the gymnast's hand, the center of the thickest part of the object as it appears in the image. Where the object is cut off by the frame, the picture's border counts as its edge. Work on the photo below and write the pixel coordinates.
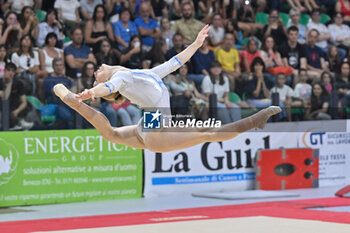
(202, 35)
(87, 94)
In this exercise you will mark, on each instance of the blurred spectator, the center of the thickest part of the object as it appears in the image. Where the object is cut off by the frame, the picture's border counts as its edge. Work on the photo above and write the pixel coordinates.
(294, 15)
(29, 22)
(3, 59)
(216, 32)
(77, 54)
(10, 32)
(311, 5)
(17, 5)
(187, 25)
(178, 42)
(114, 7)
(249, 54)
(98, 28)
(68, 12)
(275, 27)
(342, 83)
(133, 53)
(87, 8)
(50, 24)
(292, 52)
(340, 33)
(128, 113)
(160, 8)
(302, 90)
(46, 56)
(148, 28)
(324, 34)
(285, 93)
(216, 82)
(295, 4)
(167, 32)
(12, 88)
(327, 82)
(203, 58)
(269, 53)
(63, 112)
(318, 109)
(315, 56)
(27, 62)
(228, 57)
(124, 29)
(232, 27)
(245, 17)
(157, 53)
(343, 6)
(257, 86)
(108, 55)
(333, 59)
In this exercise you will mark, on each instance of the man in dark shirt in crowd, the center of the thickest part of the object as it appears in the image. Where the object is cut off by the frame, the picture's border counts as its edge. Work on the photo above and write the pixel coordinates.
(12, 89)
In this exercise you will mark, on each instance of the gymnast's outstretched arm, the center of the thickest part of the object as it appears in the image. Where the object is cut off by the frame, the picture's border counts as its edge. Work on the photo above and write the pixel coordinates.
(187, 53)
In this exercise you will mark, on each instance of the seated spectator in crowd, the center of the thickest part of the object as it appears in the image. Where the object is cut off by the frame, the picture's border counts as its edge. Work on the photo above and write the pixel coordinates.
(257, 86)
(285, 92)
(187, 25)
(295, 15)
(108, 55)
(216, 32)
(343, 6)
(185, 96)
(12, 89)
(128, 113)
(249, 54)
(269, 53)
(124, 29)
(292, 52)
(77, 54)
(333, 59)
(27, 62)
(342, 84)
(50, 24)
(232, 27)
(133, 54)
(217, 83)
(319, 108)
(63, 112)
(46, 56)
(3, 59)
(324, 34)
(156, 54)
(98, 28)
(309, 5)
(315, 56)
(114, 7)
(295, 4)
(167, 32)
(275, 27)
(340, 33)
(29, 22)
(10, 32)
(203, 58)
(147, 27)
(327, 82)
(17, 5)
(160, 9)
(178, 43)
(68, 12)
(228, 57)
(302, 90)
(87, 8)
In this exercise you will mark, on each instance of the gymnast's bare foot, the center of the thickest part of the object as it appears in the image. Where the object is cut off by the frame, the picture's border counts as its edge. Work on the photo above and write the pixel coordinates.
(262, 117)
(66, 95)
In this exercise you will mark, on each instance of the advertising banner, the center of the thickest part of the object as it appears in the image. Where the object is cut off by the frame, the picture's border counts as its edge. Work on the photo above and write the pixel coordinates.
(42, 167)
(334, 160)
(210, 167)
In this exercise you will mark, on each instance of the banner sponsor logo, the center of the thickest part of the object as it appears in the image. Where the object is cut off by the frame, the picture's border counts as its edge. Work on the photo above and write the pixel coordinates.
(8, 161)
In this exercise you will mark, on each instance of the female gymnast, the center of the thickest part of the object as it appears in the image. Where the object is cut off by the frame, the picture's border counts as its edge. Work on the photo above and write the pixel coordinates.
(146, 89)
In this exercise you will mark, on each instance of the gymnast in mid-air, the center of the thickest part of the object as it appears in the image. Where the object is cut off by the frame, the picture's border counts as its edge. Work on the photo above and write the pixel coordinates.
(145, 88)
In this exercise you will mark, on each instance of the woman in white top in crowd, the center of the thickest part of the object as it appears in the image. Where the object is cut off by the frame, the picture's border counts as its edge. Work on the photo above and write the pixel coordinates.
(146, 88)
(50, 24)
(48, 53)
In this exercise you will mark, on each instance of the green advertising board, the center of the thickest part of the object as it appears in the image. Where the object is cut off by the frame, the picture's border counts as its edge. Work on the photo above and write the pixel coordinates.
(43, 167)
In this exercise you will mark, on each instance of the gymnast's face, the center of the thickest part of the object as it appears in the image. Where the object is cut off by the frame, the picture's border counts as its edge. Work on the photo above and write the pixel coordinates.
(101, 74)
